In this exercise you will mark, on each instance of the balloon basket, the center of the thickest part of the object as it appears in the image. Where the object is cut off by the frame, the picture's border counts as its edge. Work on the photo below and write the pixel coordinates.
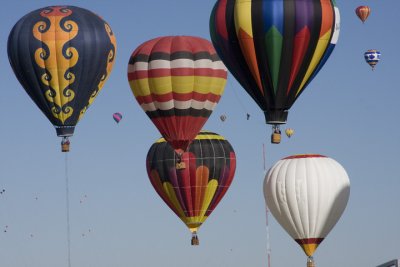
(310, 262)
(180, 165)
(195, 240)
(65, 147)
(65, 144)
(275, 138)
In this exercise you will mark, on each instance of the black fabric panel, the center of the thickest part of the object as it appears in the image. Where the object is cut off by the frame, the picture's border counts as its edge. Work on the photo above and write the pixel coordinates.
(173, 56)
(205, 113)
(315, 32)
(261, 52)
(231, 54)
(212, 153)
(287, 55)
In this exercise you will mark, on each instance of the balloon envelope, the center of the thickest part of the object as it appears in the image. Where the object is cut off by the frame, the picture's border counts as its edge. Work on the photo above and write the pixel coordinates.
(62, 56)
(117, 117)
(274, 48)
(289, 132)
(177, 80)
(363, 12)
(192, 193)
(222, 117)
(372, 57)
(307, 194)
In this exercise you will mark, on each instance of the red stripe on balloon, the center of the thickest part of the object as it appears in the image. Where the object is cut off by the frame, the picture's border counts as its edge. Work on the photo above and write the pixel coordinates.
(305, 156)
(301, 42)
(158, 73)
(179, 131)
(179, 97)
(220, 18)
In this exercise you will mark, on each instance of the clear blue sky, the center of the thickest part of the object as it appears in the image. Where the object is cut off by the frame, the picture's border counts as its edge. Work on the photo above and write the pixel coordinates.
(348, 113)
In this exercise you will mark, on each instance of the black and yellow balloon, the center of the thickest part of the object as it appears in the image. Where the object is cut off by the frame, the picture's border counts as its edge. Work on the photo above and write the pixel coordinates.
(62, 56)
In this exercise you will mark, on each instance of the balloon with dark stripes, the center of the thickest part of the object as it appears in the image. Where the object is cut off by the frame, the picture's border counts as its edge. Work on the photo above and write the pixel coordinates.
(193, 192)
(178, 81)
(274, 48)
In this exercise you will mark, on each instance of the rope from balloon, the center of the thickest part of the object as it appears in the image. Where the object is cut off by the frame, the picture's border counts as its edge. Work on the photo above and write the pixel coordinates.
(67, 207)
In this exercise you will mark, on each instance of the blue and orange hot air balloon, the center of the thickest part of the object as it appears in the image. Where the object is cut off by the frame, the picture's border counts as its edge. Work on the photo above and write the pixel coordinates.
(177, 80)
(192, 193)
(62, 56)
(274, 48)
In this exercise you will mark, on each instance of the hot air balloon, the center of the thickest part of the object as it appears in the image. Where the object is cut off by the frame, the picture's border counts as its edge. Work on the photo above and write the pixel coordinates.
(194, 192)
(289, 132)
(372, 57)
(307, 195)
(274, 48)
(117, 117)
(222, 117)
(62, 56)
(363, 12)
(177, 80)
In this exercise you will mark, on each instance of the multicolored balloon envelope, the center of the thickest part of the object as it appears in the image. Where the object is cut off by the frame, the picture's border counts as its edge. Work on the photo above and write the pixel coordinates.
(177, 80)
(192, 193)
(289, 132)
(372, 57)
(307, 195)
(62, 56)
(117, 117)
(274, 48)
(363, 12)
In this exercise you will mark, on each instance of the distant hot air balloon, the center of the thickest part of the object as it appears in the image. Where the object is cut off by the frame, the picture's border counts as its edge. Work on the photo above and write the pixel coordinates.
(363, 12)
(177, 80)
(274, 48)
(289, 132)
(372, 57)
(194, 192)
(222, 117)
(117, 117)
(307, 194)
(62, 56)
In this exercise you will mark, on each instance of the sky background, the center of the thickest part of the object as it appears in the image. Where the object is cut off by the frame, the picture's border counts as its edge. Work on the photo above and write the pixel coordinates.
(348, 113)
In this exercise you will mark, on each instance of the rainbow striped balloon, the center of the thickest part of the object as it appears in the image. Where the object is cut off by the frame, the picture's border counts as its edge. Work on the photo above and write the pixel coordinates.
(274, 48)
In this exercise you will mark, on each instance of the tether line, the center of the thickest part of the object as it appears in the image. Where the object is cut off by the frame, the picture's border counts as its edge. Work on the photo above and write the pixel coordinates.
(67, 206)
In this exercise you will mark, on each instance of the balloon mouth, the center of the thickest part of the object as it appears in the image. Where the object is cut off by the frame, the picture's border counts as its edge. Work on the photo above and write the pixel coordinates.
(309, 245)
(276, 117)
(65, 131)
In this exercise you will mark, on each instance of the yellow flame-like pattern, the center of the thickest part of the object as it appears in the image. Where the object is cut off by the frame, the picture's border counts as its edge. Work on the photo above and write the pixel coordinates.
(57, 64)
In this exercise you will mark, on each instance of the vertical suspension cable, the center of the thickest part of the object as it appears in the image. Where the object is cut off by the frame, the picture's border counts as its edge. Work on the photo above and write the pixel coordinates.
(67, 206)
(266, 216)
